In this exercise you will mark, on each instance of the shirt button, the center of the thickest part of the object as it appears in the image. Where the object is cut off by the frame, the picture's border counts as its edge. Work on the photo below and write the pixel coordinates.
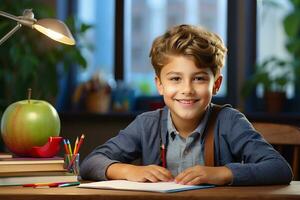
(185, 152)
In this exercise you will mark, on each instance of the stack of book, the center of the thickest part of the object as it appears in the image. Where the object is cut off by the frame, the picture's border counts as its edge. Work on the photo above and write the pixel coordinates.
(20, 171)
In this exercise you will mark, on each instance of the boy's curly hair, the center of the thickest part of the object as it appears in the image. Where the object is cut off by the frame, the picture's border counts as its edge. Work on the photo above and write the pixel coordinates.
(206, 48)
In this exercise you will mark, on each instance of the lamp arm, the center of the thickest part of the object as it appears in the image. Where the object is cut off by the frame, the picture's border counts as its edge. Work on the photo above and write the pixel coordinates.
(7, 15)
(27, 19)
(10, 33)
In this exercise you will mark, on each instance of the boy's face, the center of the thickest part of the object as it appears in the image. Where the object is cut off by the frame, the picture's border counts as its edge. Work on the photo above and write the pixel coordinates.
(186, 89)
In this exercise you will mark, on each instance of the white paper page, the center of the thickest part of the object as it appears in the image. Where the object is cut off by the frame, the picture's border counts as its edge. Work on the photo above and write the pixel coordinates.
(130, 185)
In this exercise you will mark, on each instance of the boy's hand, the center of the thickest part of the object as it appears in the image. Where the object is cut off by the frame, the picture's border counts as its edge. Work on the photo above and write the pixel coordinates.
(152, 173)
(202, 174)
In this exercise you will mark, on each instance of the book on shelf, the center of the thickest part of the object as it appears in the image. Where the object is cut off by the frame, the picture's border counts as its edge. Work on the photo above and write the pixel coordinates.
(32, 173)
(5, 155)
(24, 164)
(29, 160)
(21, 180)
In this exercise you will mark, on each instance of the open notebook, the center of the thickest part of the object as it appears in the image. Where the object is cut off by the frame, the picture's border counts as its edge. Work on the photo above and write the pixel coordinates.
(165, 187)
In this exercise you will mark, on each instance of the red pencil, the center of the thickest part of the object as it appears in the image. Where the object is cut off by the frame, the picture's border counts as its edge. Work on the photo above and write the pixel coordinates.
(66, 147)
(163, 156)
(43, 184)
(79, 143)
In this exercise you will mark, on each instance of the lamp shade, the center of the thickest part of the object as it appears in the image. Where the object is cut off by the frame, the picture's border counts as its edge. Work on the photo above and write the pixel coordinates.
(55, 29)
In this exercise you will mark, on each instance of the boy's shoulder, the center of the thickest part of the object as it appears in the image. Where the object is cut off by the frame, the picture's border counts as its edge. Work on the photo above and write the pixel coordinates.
(150, 114)
(229, 119)
(228, 112)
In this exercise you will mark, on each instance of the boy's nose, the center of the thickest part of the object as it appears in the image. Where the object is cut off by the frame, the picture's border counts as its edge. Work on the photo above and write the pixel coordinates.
(187, 88)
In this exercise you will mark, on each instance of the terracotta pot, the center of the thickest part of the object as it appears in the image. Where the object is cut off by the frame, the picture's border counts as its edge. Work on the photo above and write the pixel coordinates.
(274, 101)
(97, 102)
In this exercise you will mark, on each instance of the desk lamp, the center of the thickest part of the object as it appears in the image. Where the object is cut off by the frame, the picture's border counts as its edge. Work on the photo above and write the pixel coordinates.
(53, 28)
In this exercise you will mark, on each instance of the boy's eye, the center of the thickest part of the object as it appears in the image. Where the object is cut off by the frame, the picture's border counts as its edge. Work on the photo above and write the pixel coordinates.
(199, 78)
(175, 78)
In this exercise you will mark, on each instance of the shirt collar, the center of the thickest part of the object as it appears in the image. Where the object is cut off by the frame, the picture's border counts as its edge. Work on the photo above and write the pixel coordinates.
(199, 129)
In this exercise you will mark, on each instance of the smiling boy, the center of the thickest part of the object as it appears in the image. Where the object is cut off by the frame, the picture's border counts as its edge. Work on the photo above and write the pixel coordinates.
(187, 61)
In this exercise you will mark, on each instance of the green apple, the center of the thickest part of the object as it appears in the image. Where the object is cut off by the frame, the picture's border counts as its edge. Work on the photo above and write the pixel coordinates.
(28, 123)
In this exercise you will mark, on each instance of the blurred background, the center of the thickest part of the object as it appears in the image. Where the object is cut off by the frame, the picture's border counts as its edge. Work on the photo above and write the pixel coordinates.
(102, 83)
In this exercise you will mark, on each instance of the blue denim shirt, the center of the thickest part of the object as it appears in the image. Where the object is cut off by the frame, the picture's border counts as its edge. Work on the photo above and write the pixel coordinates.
(183, 153)
(237, 146)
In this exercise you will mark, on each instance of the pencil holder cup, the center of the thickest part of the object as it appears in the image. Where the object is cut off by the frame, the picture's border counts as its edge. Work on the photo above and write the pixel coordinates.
(71, 163)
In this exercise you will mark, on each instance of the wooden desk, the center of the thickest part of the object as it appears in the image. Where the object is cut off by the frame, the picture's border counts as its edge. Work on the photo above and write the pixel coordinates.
(72, 193)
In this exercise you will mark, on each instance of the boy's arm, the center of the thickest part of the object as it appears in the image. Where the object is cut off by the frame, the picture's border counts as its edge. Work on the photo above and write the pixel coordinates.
(152, 173)
(125, 147)
(257, 162)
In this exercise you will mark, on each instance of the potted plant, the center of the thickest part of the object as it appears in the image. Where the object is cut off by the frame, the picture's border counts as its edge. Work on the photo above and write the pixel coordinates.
(273, 75)
(29, 59)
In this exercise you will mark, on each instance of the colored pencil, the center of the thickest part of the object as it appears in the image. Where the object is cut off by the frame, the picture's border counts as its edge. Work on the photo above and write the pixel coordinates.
(44, 184)
(163, 156)
(75, 146)
(69, 146)
(80, 143)
(77, 150)
(66, 147)
(69, 184)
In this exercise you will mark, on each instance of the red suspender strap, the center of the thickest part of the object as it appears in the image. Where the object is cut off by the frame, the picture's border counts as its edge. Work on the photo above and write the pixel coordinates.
(209, 136)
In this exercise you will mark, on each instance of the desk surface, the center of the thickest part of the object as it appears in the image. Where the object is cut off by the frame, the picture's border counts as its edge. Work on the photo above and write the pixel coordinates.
(72, 193)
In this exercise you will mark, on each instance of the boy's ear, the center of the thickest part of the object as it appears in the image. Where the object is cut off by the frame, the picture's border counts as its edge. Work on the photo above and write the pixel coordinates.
(158, 85)
(217, 84)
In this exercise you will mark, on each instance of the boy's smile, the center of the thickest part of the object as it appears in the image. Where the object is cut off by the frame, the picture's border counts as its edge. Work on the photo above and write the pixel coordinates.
(187, 91)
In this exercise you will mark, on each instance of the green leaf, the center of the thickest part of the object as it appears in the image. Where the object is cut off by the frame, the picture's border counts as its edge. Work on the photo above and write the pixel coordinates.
(296, 3)
(291, 24)
(84, 27)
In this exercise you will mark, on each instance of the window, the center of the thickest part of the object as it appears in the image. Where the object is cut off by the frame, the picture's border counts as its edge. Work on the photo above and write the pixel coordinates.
(271, 37)
(143, 21)
(147, 19)
(100, 14)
